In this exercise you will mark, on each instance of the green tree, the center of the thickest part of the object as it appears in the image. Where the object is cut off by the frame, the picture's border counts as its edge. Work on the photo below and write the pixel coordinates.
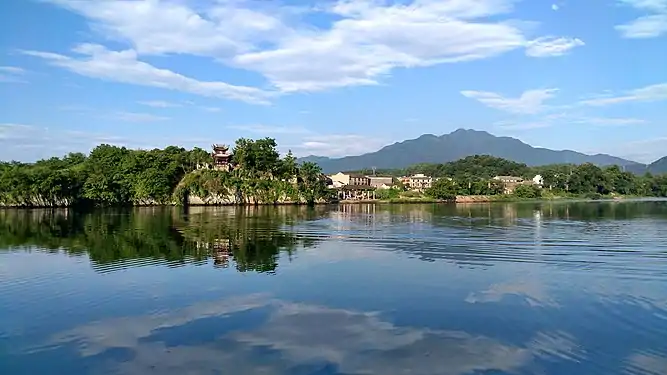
(528, 191)
(310, 181)
(443, 189)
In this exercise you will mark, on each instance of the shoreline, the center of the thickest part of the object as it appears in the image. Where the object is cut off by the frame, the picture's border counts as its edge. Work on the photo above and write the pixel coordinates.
(462, 199)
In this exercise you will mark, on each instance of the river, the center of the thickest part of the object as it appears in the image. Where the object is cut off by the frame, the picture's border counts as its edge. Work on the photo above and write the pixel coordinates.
(546, 289)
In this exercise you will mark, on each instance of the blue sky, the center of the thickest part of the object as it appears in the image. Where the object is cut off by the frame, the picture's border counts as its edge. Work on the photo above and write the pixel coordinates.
(331, 78)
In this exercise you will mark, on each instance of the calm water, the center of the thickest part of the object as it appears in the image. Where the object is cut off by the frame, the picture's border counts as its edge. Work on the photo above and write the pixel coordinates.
(563, 289)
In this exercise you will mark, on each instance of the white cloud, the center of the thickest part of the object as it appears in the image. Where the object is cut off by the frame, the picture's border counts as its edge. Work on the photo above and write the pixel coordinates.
(554, 7)
(123, 66)
(648, 26)
(12, 74)
(610, 121)
(517, 125)
(269, 129)
(373, 38)
(649, 93)
(643, 151)
(530, 101)
(645, 27)
(12, 69)
(551, 46)
(159, 104)
(210, 109)
(138, 117)
(365, 41)
(338, 145)
(565, 119)
(162, 27)
(46, 142)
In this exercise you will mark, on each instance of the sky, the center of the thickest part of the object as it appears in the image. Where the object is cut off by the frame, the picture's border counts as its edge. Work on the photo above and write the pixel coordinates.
(331, 77)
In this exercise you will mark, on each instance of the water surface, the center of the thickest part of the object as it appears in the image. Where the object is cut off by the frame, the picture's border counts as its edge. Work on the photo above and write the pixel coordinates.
(563, 288)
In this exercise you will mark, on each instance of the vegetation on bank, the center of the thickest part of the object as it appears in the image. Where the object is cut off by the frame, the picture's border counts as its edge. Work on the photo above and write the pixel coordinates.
(116, 176)
(474, 176)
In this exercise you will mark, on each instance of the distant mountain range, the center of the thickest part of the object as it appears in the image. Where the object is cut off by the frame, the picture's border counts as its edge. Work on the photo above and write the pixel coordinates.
(429, 148)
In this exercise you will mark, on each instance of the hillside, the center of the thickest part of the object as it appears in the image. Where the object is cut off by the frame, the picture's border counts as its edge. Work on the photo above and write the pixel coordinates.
(429, 148)
(658, 166)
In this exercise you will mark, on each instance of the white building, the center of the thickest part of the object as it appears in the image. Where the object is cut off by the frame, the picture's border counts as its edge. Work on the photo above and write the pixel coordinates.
(340, 179)
(420, 182)
(538, 180)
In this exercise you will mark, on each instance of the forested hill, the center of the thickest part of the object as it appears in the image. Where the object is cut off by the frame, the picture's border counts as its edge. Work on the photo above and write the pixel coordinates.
(457, 145)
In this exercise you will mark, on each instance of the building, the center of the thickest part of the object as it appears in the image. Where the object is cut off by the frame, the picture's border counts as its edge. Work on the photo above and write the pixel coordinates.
(341, 179)
(381, 182)
(419, 182)
(359, 180)
(509, 179)
(356, 192)
(222, 157)
(352, 186)
(538, 180)
(510, 182)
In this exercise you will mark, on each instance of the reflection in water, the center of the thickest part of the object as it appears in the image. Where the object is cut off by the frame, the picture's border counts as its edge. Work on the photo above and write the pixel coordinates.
(298, 336)
(562, 288)
(251, 236)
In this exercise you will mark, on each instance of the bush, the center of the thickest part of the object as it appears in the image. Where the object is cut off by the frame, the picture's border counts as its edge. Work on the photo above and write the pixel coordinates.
(442, 189)
(528, 192)
(385, 194)
(593, 196)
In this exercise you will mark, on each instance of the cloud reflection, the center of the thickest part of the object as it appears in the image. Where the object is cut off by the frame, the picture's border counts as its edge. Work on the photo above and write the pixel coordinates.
(646, 363)
(530, 290)
(303, 338)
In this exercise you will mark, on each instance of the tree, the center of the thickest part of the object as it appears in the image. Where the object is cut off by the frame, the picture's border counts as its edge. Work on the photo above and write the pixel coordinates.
(288, 167)
(443, 189)
(528, 191)
(310, 181)
(259, 157)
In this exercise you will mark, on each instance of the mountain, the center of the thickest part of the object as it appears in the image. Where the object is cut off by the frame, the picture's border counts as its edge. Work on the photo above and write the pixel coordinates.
(461, 143)
(658, 166)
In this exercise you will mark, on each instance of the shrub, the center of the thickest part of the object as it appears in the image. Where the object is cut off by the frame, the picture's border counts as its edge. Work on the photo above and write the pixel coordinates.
(528, 191)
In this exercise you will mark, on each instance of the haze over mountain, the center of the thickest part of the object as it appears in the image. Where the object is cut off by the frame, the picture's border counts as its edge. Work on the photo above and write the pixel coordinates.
(429, 148)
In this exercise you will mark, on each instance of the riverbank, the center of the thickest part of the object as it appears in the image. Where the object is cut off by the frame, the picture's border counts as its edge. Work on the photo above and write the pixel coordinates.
(462, 199)
(505, 198)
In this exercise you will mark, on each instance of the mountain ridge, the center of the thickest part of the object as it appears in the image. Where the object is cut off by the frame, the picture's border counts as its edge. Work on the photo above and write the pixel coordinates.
(429, 148)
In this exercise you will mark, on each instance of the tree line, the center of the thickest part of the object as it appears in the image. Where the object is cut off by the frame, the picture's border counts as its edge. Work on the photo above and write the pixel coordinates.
(473, 175)
(116, 176)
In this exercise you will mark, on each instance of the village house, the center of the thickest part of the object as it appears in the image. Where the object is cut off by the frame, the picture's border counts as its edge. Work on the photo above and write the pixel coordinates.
(359, 180)
(510, 182)
(352, 186)
(381, 182)
(419, 182)
(538, 180)
(509, 179)
(356, 192)
(339, 179)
